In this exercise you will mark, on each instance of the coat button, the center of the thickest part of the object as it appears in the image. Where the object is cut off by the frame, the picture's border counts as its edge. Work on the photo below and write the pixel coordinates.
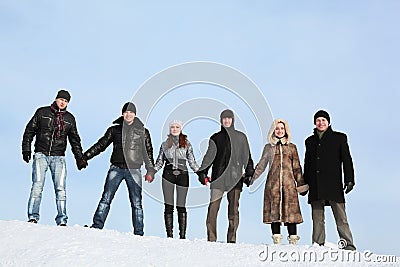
(318, 157)
(317, 171)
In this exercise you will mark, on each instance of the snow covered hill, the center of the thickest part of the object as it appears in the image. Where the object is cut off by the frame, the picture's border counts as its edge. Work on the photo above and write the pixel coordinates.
(26, 244)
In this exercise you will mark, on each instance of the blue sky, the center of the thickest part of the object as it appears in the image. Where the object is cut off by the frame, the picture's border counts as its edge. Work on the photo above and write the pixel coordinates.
(303, 55)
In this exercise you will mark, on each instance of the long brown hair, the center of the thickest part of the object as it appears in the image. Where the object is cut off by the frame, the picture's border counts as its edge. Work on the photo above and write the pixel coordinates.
(182, 140)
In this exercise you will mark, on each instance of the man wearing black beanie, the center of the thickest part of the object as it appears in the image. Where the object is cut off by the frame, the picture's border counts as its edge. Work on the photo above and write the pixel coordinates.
(51, 126)
(131, 147)
(327, 157)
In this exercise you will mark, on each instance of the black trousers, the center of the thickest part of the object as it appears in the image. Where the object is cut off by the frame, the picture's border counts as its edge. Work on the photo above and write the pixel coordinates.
(169, 183)
(291, 228)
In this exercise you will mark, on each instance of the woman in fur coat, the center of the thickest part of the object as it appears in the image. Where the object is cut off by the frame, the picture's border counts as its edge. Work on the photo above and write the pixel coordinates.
(175, 152)
(284, 181)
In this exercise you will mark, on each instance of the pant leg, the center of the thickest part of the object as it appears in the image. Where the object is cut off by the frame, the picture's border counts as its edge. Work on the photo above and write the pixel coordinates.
(168, 188)
(134, 183)
(39, 167)
(318, 217)
(276, 228)
(59, 174)
(113, 180)
(213, 208)
(342, 225)
(182, 186)
(233, 214)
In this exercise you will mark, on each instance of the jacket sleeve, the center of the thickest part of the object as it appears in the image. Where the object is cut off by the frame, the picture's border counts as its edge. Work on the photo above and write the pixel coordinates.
(75, 140)
(191, 159)
(209, 157)
(348, 168)
(249, 168)
(160, 160)
(262, 164)
(297, 174)
(148, 151)
(307, 162)
(30, 132)
(101, 144)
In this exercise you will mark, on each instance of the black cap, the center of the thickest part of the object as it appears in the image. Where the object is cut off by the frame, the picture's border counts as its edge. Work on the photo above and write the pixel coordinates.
(64, 94)
(322, 113)
(129, 106)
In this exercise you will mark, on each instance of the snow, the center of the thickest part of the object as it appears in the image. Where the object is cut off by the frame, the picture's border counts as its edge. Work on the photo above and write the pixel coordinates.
(27, 244)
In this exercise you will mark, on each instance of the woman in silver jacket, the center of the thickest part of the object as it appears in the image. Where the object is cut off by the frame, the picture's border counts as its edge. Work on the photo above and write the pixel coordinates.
(175, 152)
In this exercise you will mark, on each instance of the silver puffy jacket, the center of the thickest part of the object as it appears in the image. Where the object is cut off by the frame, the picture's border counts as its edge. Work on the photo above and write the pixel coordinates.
(176, 157)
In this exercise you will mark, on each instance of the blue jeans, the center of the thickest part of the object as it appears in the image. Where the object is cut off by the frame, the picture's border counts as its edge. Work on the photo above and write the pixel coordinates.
(41, 163)
(114, 178)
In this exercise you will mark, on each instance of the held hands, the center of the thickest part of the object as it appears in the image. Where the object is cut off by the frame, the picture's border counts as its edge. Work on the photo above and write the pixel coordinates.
(248, 180)
(81, 163)
(348, 187)
(26, 156)
(203, 179)
(149, 176)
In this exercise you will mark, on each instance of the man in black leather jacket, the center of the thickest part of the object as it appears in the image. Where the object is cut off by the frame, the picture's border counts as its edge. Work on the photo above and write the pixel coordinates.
(228, 153)
(51, 126)
(131, 147)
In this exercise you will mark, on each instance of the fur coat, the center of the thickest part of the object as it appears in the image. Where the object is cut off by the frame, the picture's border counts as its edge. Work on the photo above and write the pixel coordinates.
(284, 179)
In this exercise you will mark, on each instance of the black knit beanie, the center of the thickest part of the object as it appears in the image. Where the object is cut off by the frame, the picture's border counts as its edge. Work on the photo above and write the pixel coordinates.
(64, 94)
(322, 113)
(129, 106)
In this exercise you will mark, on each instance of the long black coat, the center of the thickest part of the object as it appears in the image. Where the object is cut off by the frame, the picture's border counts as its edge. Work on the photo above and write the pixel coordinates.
(324, 159)
(41, 127)
(228, 153)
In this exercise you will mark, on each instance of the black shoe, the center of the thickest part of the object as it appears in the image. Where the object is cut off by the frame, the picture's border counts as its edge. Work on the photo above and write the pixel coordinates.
(62, 224)
(32, 221)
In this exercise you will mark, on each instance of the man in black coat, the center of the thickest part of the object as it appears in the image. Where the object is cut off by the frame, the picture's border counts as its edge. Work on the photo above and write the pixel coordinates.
(228, 153)
(131, 147)
(327, 157)
(51, 126)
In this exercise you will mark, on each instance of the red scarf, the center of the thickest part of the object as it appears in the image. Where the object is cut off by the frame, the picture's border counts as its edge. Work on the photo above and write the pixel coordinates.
(59, 122)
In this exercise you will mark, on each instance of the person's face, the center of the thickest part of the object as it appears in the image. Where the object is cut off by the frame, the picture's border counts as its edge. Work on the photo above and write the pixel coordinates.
(322, 124)
(129, 116)
(227, 122)
(175, 129)
(61, 103)
(280, 130)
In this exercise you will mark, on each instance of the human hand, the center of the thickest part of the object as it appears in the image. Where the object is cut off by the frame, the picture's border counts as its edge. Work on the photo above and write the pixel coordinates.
(26, 156)
(81, 163)
(348, 187)
(149, 176)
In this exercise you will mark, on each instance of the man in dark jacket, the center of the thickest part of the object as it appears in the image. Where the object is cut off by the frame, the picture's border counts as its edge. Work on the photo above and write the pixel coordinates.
(326, 153)
(131, 147)
(228, 153)
(51, 126)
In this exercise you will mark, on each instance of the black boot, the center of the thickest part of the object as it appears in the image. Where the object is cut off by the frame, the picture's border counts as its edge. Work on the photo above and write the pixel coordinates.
(169, 223)
(182, 220)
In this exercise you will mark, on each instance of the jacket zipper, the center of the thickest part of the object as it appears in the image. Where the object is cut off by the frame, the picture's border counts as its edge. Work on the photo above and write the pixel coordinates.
(51, 141)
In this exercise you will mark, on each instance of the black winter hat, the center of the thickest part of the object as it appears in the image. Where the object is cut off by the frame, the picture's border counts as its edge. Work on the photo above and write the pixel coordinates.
(322, 113)
(63, 94)
(129, 106)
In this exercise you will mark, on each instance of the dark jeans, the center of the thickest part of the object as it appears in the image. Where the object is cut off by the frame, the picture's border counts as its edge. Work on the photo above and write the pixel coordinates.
(114, 178)
(169, 182)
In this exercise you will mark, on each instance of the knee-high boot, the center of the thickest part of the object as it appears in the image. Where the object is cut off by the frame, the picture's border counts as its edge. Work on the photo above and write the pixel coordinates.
(169, 223)
(182, 220)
